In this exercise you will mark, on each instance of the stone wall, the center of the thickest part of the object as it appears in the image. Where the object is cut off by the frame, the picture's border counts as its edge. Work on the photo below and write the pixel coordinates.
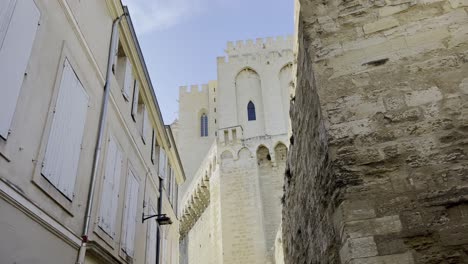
(377, 169)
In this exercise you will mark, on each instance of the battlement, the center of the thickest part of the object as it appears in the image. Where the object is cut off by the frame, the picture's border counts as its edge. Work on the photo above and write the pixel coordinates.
(250, 46)
(193, 89)
(244, 58)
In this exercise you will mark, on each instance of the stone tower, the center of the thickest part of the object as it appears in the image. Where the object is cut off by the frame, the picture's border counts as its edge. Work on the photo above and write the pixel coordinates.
(232, 136)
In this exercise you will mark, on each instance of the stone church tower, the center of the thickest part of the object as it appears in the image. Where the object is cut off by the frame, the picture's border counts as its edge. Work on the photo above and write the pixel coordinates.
(232, 136)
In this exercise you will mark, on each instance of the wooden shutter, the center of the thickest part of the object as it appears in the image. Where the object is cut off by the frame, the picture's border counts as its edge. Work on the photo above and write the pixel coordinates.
(153, 146)
(145, 124)
(151, 239)
(131, 203)
(128, 80)
(64, 145)
(162, 163)
(18, 26)
(135, 101)
(110, 190)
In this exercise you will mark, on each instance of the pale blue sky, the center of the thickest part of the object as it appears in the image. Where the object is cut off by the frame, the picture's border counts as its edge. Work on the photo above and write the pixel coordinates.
(181, 39)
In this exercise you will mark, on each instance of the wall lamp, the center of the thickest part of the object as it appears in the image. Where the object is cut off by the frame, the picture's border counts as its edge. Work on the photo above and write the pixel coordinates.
(162, 219)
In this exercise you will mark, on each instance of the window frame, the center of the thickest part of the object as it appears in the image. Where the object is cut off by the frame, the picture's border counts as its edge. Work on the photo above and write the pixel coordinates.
(40, 181)
(251, 112)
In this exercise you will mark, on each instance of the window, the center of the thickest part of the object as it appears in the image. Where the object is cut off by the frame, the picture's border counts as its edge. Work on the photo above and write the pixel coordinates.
(251, 111)
(130, 214)
(18, 25)
(204, 125)
(151, 239)
(110, 189)
(63, 149)
(143, 122)
(162, 163)
(153, 146)
(125, 75)
(136, 96)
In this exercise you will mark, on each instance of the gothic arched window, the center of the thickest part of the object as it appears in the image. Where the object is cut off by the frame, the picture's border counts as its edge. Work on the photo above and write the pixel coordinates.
(204, 125)
(251, 111)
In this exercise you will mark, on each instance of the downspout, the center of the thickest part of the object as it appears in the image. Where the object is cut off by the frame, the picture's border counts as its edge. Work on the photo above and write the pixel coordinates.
(158, 235)
(97, 150)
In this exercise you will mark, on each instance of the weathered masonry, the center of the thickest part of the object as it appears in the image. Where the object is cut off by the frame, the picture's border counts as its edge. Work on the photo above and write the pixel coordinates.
(377, 168)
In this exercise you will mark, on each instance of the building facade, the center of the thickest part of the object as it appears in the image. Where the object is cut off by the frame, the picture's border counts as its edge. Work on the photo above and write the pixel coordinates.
(233, 138)
(380, 106)
(82, 141)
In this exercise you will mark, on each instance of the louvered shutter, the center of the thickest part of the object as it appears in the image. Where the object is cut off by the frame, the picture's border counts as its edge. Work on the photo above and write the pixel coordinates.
(18, 24)
(130, 219)
(151, 239)
(152, 146)
(128, 78)
(110, 191)
(135, 101)
(146, 125)
(116, 189)
(162, 163)
(64, 144)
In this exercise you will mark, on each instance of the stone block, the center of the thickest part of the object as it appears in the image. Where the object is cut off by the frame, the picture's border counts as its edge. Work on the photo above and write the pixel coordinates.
(394, 102)
(404, 258)
(390, 10)
(381, 24)
(420, 97)
(454, 235)
(371, 227)
(356, 210)
(355, 248)
(464, 86)
(390, 244)
(458, 3)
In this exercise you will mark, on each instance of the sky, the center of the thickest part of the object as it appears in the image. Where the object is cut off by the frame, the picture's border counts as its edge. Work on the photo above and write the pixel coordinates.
(181, 39)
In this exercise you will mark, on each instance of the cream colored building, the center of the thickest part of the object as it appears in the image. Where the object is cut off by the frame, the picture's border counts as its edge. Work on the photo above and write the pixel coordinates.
(57, 60)
(233, 136)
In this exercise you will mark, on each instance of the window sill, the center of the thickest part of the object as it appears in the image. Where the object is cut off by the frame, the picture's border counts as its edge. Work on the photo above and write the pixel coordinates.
(108, 240)
(49, 189)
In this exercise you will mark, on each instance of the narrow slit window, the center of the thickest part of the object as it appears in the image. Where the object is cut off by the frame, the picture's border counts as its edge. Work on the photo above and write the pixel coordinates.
(204, 125)
(251, 111)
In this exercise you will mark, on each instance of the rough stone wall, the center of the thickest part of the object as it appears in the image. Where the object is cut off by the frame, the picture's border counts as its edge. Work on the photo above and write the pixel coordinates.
(383, 175)
(308, 233)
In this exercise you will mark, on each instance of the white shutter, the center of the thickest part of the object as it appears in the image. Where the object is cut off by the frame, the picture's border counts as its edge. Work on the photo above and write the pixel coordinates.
(66, 134)
(110, 191)
(128, 78)
(162, 163)
(116, 189)
(16, 41)
(6, 11)
(151, 239)
(146, 124)
(153, 146)
(135, 101)
(130, 219)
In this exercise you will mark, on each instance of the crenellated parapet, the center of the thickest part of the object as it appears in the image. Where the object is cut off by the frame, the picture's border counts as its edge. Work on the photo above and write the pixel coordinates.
(257, 50)
(193, 89)
(197, 197)
(259, 45)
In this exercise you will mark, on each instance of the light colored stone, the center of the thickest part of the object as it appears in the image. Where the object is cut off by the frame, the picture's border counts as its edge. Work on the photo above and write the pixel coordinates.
(379, 25)
(458, 3)
(464, 86)
(420, 97)
(355, 248)
(390, 10)
(404, 258)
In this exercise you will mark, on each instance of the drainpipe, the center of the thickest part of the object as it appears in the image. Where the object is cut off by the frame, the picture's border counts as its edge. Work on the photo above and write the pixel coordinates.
(97, 150)
(158, 238)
